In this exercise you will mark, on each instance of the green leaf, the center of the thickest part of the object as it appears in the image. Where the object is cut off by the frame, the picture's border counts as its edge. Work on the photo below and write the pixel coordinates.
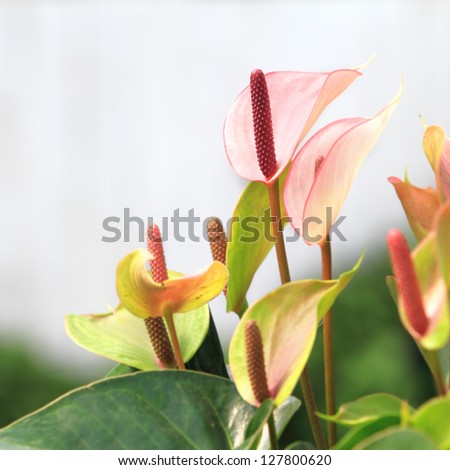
(287, 318)
(301, 445)
(123, 337)
(366, 409)
(249, 243)
(120, 369)
(359, 433)
(209, 357)
(433, 418)
(397, 439)
(256, 426)
(146, 410)
(282, 415)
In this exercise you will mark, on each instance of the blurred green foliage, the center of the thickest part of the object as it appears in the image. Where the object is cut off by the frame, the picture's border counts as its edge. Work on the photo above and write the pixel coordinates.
(26, 383)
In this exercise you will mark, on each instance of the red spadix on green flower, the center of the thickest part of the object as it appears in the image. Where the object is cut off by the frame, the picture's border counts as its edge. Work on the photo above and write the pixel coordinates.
(419, 286)
(144, 297)
(312, 189)
(407, 283)
(287, 321)
(287, 111)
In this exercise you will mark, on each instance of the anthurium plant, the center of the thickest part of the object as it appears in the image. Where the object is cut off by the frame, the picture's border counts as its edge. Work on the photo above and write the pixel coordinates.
(174, 388)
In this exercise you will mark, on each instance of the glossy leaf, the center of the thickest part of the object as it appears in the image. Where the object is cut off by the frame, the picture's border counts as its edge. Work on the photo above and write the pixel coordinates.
(296, 100)
(288, 318)
(249, 241)
(433, 419)
(366, 409)
(146, 410)
(323, 171)
(363, 431)
(123, 337)
(397, 439)
(120, 369)
(301, 445)
(420, 205)
(256, 426)
(144, 297)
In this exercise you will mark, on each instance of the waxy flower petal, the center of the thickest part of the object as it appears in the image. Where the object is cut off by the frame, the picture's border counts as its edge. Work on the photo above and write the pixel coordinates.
(123, 337)
(143, 297)
(420, 205)
(287, 318)
(443, 241)
(311, 190)
(437, 149)
(296, 101)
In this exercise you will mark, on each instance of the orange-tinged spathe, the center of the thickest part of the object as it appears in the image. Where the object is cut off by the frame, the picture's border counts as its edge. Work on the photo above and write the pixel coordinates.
(143, 297)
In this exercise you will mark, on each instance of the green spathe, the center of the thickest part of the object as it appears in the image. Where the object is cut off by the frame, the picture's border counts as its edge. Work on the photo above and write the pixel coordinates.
(288, 318)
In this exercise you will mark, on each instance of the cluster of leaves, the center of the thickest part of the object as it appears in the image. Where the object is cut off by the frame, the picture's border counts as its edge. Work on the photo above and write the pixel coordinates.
(150, 402)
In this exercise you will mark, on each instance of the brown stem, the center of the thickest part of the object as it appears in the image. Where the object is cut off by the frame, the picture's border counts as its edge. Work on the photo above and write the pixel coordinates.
(328, 348)
(305, 382)
(277, 231)
(311, 408)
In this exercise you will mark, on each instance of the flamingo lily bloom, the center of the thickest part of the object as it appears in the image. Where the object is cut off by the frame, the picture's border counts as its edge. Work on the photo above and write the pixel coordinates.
(144, 297)
(324, 169)
(287, 319)
(421, 282)
(296, 101)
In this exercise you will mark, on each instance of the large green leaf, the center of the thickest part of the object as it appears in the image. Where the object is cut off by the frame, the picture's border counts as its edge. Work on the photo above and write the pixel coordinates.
(123, 337)
(288, 318)
(433, 418)
(248, 243)
(146, 410)
(397, 439)
(367, 409)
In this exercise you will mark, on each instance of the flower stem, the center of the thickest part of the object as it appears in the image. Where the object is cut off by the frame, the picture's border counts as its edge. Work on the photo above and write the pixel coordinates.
(174, 339)
(311, 407)
(305, 382)
(328, 348)
(272, 433)
(277, 231)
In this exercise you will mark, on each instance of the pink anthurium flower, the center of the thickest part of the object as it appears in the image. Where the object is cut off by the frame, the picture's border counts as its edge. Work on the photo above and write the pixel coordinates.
(296, 101)
(324, 169)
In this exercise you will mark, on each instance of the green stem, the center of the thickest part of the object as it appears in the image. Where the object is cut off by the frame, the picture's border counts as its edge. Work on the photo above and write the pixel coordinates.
(283, 266)
(328, 348)
(174, 339)
(272, 433)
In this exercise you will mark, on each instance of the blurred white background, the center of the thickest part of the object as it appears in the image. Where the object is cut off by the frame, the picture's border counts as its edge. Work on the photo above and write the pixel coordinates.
(120, 104)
